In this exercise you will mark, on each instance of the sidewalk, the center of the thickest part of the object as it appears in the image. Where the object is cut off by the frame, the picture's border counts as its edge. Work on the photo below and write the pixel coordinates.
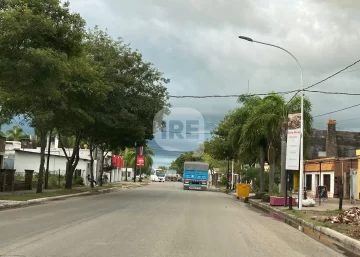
(330, 204)
(314, 221)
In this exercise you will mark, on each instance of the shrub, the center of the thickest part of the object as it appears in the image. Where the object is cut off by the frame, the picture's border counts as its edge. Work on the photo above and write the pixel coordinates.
(54, 181)
(224, 180)
(275, 189)
(259, 195)
(266, 198)
(78, 181)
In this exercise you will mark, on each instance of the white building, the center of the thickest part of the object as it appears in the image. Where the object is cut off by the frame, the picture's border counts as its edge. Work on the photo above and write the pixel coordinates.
(22, 159)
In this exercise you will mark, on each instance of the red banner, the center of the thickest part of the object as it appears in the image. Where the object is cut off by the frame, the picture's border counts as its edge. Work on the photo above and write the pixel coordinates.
(140, 161)
(113, 160)
(117, 161)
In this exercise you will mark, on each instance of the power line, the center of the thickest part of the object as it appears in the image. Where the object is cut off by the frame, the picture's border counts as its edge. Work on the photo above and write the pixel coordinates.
(227, 96)
(265, 94)
(343, 109)
(169, 131)
(331, 93)
(351, 70)
(333, 75)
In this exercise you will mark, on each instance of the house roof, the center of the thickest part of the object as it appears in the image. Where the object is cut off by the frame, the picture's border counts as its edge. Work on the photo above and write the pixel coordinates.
(330, 159)
(53, 152)
(347, 143)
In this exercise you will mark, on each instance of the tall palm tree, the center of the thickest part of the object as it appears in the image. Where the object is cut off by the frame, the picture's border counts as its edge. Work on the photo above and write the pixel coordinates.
(149, 161)
(248, 135)
(129, 159)
(16, 134)
(269, 122)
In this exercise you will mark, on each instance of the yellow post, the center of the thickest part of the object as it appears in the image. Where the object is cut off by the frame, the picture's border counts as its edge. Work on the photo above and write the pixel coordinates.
(296, 181)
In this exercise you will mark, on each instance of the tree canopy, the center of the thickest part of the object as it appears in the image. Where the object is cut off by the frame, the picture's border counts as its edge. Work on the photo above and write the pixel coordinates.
(83, 84)
(256, 132)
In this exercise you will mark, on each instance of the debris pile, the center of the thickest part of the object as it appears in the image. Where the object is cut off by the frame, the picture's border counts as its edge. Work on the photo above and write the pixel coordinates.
(351, 216)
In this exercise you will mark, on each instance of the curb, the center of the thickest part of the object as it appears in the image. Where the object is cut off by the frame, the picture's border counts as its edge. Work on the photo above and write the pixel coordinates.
(17, 204)
(346, 242)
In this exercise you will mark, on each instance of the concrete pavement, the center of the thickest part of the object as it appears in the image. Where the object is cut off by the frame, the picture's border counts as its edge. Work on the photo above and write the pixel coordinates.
(153, 221)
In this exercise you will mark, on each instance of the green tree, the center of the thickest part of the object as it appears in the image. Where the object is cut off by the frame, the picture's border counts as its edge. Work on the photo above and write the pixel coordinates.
(129, 160)
(269, 121)
(220, 146)
(137, 94)
(37, 40)
(16, 134)
(81, 95)
(178, 163)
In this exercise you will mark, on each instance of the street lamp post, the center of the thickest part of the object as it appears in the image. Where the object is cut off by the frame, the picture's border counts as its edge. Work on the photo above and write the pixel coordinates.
(301, 170)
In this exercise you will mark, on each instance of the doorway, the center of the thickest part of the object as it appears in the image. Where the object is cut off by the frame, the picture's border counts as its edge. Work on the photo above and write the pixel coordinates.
(327, 181)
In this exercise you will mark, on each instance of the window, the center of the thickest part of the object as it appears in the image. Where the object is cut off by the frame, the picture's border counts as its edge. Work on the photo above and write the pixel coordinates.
(308, 182)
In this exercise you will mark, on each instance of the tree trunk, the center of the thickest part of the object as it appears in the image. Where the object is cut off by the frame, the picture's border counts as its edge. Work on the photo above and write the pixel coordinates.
(262, 163)
(42, 162)
(48, 162)
(69, 176)
(126, 173)
(283, 159)
(91, 167)
(272, 171)
(73, 160)
(101, 168)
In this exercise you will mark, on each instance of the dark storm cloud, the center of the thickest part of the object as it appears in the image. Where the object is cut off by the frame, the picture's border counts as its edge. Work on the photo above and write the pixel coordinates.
(195, 43)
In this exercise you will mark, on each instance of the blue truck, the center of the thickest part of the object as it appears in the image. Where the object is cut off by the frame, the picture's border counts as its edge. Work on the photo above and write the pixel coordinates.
(196, 175)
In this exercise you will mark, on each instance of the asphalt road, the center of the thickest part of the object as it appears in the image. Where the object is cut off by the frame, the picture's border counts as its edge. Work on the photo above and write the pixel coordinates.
(153, 221)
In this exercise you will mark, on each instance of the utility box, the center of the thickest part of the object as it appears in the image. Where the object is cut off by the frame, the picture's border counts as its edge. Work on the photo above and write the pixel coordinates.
(242, 190)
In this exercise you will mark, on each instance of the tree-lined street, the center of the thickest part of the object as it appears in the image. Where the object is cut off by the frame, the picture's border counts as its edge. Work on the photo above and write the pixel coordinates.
(156, 220)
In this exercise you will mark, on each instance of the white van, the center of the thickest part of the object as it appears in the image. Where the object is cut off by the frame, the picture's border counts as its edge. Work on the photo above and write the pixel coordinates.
(157, 175)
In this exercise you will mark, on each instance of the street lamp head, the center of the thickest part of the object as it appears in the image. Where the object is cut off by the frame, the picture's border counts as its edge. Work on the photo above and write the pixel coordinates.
(246, 38)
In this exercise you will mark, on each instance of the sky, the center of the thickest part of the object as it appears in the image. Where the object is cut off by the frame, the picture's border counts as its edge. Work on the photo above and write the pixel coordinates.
(195, 43)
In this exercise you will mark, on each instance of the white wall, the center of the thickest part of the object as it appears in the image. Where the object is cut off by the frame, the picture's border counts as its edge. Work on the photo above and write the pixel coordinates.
(31, 161)
(130, 173)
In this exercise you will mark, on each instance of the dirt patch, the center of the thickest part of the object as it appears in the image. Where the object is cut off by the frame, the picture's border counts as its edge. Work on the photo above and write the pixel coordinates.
(326, 219)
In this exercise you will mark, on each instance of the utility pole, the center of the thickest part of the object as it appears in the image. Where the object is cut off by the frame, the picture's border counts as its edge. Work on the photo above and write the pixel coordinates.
(232, 174)
(228, 172)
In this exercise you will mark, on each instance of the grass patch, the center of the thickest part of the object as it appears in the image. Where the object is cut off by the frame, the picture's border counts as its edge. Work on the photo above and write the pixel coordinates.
(30, 196)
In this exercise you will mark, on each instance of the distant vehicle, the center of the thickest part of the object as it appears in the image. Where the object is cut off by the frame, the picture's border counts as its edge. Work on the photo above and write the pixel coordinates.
(171, 172)
(157, 175)
(196, 175)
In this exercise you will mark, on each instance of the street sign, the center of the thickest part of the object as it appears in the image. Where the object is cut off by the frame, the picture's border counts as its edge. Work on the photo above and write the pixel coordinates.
(140, 160)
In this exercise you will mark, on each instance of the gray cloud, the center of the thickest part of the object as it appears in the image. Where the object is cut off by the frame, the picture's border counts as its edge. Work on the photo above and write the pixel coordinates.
(195, 43)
